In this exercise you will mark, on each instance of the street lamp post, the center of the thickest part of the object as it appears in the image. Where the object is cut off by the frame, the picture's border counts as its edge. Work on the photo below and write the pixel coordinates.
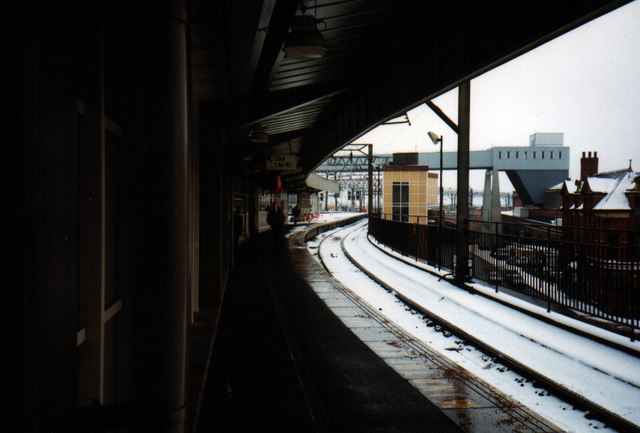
(439, 139)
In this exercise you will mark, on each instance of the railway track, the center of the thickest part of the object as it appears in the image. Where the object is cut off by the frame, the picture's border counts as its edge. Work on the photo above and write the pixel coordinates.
(591, 409)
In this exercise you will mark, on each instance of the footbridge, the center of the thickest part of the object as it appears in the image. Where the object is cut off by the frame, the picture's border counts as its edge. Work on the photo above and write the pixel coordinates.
(531, 169)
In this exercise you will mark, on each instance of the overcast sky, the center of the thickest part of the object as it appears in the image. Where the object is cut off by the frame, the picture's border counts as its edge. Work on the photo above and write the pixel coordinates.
(585, 84)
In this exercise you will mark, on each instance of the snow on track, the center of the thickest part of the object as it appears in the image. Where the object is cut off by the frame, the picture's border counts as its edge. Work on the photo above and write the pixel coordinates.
(608, 377)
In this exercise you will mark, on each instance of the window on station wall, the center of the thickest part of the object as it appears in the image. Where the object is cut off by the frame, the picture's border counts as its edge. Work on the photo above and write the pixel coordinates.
(508, 155)
(400, 201)
(517, 154)
(499, 155)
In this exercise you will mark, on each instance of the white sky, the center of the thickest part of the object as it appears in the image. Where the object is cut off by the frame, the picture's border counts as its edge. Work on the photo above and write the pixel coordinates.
(585, 84)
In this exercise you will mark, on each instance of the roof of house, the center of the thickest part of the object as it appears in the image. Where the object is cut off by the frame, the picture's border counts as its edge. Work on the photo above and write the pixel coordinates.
(613, 173)
(616, 199)
(571, 186)
(602, 185)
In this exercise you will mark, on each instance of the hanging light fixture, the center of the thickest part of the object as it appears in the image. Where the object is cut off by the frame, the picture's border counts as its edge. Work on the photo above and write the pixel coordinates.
(305, 40)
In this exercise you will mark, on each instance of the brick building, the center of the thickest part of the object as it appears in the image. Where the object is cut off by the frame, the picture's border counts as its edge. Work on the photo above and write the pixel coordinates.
(609, 201)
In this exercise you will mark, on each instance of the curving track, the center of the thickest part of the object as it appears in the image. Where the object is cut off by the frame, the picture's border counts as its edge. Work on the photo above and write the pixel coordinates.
(571, 367)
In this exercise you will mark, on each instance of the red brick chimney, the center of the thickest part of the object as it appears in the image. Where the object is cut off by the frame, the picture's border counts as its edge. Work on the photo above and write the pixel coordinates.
(588, 165)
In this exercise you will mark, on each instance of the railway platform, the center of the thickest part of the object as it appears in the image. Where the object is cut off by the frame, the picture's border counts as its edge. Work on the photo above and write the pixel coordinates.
(297, 351)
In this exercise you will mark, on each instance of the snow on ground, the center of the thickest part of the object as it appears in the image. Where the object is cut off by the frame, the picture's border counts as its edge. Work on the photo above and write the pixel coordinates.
(334, 216)
(524, 305)
(608, 377)
(324, 217)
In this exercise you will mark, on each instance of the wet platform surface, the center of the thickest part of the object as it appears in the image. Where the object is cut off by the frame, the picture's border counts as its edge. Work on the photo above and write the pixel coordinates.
(297, 351)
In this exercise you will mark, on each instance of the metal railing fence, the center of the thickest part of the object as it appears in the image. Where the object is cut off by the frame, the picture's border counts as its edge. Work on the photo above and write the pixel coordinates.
(593, 271)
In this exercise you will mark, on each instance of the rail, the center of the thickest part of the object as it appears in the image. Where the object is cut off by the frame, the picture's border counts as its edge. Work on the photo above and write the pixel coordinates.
(592, 271)
(553, 387)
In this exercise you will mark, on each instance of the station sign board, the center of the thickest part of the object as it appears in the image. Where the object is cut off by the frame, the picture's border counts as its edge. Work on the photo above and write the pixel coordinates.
(281, 162)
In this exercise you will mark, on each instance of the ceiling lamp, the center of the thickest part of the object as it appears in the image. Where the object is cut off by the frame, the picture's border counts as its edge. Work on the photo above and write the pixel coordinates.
(305, 40)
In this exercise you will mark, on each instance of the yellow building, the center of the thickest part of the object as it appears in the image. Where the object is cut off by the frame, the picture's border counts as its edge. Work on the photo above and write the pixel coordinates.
(408, 192)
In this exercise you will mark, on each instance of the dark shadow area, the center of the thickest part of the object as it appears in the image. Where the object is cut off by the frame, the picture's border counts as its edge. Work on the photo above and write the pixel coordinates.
(254, 386)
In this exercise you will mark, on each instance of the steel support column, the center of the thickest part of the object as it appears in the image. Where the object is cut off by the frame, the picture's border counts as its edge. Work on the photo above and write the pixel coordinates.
(462, 214)
(177, 311)
(162, 295)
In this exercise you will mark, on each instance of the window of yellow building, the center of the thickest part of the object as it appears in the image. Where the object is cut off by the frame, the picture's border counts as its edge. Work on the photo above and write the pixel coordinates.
(400, 201)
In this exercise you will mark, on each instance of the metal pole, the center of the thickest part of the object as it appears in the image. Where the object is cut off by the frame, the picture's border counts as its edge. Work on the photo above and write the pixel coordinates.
(441, 222)
(462, 210)
(378, 192)
(370, 173)
(441, 187)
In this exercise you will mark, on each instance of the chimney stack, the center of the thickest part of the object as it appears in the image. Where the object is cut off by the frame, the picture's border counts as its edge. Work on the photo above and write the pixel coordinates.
(588, 165)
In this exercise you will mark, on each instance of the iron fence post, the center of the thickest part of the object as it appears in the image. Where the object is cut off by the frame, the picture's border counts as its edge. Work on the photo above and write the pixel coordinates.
(494, 245)
(548, 289)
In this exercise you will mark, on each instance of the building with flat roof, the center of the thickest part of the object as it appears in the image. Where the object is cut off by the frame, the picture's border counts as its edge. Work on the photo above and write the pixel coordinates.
(408, 191)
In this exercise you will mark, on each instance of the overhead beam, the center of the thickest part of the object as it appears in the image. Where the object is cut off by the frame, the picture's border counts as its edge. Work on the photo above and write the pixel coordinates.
(442, 115)
(260, 36)
(355, 164)
(271, 54)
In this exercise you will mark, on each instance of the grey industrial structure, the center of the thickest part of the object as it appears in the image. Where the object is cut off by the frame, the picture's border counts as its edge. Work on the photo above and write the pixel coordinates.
(532, 169)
